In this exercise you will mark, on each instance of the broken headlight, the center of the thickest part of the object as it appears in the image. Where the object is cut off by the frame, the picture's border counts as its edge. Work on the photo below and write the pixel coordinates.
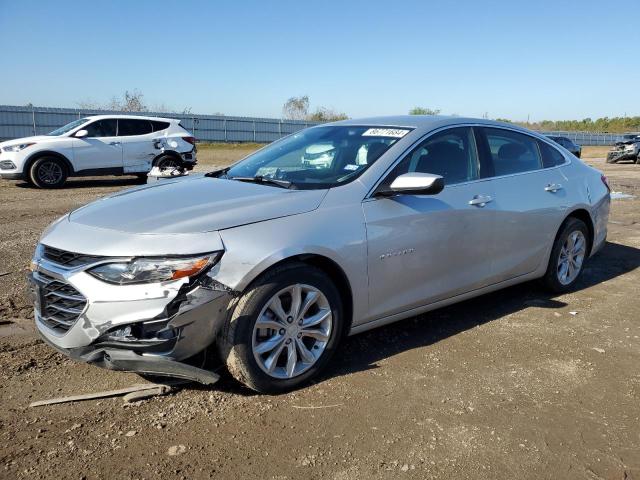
(153, 270)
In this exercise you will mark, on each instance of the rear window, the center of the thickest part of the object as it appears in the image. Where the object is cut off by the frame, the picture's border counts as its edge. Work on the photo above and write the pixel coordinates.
(128, 127)
(157, 125)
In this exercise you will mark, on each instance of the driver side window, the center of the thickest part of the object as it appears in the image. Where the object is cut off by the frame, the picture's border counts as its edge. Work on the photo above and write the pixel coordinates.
(452, 154)
(102, 128)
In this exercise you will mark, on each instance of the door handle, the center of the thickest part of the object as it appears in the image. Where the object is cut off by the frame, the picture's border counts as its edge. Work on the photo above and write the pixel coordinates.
(480, 200)
(553, 187)
(114, 143)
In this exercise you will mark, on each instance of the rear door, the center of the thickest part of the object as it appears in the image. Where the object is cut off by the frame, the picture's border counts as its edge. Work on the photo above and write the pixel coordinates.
(138, 147)
(100, 150)
(530, 198)
(424, 248)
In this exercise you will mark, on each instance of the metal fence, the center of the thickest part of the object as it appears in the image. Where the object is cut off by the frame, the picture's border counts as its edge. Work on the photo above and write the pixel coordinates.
(588, 138)
(17, 122)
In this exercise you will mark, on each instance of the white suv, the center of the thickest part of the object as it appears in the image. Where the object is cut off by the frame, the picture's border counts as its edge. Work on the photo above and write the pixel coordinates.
(98, 145)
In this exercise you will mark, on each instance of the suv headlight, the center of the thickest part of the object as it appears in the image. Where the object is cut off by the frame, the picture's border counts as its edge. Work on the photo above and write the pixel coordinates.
(16, 148)
(153, 270)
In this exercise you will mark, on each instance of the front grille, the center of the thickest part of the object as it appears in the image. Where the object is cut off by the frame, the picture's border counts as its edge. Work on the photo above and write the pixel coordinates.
(68, 259)
(61, 304)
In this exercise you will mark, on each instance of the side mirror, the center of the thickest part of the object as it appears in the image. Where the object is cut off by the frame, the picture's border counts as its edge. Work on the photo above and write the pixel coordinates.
(81, 134)
(414, 184)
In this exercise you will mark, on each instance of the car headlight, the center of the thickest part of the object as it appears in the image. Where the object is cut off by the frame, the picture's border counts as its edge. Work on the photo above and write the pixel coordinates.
(17, 147)
(152, 270)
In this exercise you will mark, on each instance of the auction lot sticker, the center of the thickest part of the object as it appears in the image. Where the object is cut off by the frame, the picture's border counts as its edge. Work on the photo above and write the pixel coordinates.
(385, 132)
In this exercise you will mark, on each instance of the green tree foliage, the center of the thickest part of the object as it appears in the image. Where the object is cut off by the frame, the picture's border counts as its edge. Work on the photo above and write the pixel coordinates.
(297, 108)
(326, 115)
(423, 111)
(604, 124)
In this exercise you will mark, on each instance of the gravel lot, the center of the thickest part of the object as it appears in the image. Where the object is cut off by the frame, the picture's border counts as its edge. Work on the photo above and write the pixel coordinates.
(515, 384)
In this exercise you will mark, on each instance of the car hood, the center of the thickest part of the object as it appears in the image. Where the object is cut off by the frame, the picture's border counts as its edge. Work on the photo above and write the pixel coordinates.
(18, 141)
(194, 205)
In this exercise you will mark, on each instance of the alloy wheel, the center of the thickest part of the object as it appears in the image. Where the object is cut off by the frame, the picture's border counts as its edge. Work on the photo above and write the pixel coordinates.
(571, 257)
(292, 331)
(50, 173)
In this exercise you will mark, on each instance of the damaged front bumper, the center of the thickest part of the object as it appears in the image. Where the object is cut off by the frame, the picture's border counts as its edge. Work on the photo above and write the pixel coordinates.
(146, 328)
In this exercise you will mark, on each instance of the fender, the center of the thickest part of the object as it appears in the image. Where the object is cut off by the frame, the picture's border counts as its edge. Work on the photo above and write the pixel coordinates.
(47, 153)
(170, 153)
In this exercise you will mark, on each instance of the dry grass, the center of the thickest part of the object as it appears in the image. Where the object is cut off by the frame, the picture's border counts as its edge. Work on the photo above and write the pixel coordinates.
(595, 152)
(223, 154)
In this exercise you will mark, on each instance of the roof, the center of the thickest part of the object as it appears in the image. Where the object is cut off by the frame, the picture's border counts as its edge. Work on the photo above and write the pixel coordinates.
(138, 117)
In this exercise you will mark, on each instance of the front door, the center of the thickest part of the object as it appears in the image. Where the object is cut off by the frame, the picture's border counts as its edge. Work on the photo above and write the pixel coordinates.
(425, 248)
(100, 150)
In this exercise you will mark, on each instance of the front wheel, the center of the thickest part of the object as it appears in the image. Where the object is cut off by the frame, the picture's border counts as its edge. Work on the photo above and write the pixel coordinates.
(568, 255)
(48, 172)
(284, 329)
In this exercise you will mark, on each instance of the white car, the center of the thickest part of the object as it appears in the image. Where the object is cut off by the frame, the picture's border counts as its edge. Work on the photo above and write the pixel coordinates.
(98, 145)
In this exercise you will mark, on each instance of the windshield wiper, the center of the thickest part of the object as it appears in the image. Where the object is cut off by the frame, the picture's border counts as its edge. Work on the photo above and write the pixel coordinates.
(217, 173)
(261, 179)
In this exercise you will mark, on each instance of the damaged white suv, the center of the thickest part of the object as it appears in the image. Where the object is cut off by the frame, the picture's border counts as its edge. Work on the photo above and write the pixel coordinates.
(98, 145)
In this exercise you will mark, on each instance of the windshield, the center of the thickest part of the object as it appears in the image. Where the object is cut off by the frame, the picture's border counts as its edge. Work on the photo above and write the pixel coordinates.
(68, 127)
(320, 157)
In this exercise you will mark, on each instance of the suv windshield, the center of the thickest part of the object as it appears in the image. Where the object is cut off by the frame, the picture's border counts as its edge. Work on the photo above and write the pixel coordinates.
(68, 127)
(320, 157)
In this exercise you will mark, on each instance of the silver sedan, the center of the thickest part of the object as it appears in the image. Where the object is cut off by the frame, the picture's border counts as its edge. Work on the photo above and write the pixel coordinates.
(272, 261)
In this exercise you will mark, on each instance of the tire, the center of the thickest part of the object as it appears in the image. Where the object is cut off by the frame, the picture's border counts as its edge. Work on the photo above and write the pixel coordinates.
(573, 232)
(167, 161)
(242, 341)
(48, 172)
(610, 159)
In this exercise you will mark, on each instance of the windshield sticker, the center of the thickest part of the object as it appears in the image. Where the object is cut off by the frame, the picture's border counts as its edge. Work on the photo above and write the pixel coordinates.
(351, 167)
(385, 132)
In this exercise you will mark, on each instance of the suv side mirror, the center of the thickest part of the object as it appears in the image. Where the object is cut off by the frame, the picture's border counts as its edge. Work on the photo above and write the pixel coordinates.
(81, 134)
(414, 184)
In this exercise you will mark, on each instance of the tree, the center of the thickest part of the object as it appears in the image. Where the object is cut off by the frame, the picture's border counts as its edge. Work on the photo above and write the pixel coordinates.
(423, 111)
(88, 104)
(296, 108)
(130, 102)
(326, 115)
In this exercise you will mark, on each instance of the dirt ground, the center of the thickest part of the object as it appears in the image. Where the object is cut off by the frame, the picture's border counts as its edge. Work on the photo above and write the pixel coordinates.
(515, 384)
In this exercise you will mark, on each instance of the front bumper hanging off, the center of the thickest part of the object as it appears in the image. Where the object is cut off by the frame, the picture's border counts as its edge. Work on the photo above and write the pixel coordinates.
(108, 334)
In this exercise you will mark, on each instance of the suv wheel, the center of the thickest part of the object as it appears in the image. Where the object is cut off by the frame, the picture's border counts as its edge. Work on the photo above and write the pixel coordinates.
(567, 256)
(48, 172)
(167, 161)
(283, 330)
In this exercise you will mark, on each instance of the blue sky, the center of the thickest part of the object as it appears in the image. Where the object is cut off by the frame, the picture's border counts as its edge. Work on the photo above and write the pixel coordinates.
(543, 59)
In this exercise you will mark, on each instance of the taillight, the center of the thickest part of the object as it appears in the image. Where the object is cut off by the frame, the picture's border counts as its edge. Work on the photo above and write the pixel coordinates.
(606, 182)
(191, 140)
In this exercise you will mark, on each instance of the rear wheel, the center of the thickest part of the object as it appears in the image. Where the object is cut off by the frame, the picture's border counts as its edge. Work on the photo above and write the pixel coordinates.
(167, 161)
(48, 172)
(284, 329)
(568, 255)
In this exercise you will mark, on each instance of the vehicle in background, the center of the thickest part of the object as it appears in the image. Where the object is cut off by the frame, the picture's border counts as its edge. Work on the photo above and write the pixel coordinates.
(272, 261)
(98, 145)
(627, 149)
(568, 144)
